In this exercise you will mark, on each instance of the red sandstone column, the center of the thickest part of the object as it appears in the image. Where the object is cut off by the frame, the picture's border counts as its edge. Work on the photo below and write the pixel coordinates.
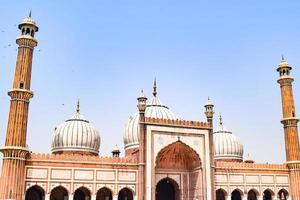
(290, 122)
(142, 148)
(209, 112)
(15, 151)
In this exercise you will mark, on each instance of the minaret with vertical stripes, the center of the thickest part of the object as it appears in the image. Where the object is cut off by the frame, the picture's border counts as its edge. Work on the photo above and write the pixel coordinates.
(290, 122)
(15, 150)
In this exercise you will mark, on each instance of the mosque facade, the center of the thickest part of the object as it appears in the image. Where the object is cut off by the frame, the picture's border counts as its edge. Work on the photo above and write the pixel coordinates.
(166, 158)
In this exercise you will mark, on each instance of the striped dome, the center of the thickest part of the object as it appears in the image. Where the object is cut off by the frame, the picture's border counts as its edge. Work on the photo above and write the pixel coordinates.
(154, 109)
(226, 145)
(76, 135)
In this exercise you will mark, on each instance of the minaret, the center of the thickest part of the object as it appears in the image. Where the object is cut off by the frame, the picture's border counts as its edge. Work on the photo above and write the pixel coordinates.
(142, 102)
(209, 112)
(290, 122)
(15, 151)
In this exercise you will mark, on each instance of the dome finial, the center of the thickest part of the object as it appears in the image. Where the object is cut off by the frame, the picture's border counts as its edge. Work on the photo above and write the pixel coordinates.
(220, 119)
(282, 57)
(154, 88)
(29, 14)
(78, 107)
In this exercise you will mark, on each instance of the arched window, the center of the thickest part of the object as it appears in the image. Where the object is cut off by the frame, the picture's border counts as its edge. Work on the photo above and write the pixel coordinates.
(104, 194)
(27, 31)
(59, 193)
(35, 193)
(220, 194)
(252, 195)
(82, 193)
(236, 195)
(125, 194)
(21, 86)
(267, 195)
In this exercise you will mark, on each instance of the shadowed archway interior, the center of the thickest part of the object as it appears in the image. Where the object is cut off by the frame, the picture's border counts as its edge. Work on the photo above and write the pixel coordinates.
(125, 194)
(220, 194)
(104, 194)
(59, 193)
(82, 194)
(35, 193)
(167, 189)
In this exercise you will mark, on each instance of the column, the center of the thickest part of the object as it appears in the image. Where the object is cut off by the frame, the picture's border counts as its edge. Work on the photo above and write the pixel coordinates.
(93, 197)
(47, 197)
(115, 197)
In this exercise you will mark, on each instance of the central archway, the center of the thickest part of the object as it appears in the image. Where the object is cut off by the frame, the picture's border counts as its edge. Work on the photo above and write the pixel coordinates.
(167, 189)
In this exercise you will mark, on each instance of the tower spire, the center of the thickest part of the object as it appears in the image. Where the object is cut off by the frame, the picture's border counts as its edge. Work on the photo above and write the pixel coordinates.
(154, 88)
(29, 14)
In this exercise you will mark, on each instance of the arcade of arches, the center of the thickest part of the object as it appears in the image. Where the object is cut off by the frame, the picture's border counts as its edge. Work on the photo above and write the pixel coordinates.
(179, 159)
(82, 193)
(252, 195)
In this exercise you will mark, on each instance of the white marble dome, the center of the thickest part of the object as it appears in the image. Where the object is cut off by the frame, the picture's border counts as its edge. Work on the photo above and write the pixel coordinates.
(76, 135)
(226, 145)
(154, 109)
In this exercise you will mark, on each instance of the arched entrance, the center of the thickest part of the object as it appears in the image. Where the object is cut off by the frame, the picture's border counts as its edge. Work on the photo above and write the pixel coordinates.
(283, 194)
(236, 195)
(82, 194)
(104, 194)
(167, 189)
(35, 193)
(267, 195)
(181, 158)
(252, 195)
(125, 194)
(59, 193)
(220, 194)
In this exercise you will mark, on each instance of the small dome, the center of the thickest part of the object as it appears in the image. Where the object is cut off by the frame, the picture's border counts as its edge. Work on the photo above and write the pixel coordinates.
(29, 21)
(154, 109)
(76, 135)
(226, 145)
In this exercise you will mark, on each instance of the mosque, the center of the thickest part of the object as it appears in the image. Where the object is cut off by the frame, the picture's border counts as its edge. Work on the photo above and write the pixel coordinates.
(166, 158)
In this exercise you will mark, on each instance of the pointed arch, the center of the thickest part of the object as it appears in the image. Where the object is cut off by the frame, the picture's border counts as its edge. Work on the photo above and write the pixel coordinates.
(104, 193)
(59, 193)
(125, 194)
(268, 194)
(82, 193)
(252, 194)
(221, 194)
(35, 193)
(177, 155)
(167, 188)
(283, 194)
(236, 194)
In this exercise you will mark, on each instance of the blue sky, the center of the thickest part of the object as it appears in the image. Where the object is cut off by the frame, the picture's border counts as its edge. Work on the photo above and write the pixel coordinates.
(104, 52)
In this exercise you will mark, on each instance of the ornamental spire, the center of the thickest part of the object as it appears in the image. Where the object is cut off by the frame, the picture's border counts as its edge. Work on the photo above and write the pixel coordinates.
(154, 88)
(29, 14)
(220, 119)
(78, 107)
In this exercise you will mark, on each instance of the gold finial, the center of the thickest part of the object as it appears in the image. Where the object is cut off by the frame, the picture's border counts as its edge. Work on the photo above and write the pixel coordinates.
(154, 88)
(78, 107)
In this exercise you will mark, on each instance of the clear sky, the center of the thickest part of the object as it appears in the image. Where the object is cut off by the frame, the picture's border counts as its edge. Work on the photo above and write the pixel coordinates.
(104, 52)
